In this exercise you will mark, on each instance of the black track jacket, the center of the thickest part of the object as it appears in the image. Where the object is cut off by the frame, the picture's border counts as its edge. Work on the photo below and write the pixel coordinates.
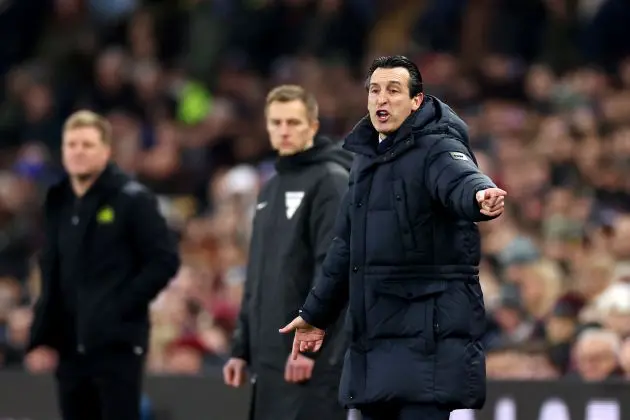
(293, 227)
(106, 256)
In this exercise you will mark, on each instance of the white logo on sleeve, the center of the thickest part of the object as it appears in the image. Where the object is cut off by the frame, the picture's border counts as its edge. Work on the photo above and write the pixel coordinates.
(458, 156)
(292, 200)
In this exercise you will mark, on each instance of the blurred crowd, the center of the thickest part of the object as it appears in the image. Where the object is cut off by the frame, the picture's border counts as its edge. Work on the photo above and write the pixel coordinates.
(544, 86)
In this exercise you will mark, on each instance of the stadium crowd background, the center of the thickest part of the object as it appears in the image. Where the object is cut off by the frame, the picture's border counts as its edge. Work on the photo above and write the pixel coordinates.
(543, 85)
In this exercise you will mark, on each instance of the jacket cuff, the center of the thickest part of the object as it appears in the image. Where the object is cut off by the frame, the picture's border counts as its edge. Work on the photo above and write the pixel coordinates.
(475, 213)
(311, 355)
(310, 314)
(239, 351)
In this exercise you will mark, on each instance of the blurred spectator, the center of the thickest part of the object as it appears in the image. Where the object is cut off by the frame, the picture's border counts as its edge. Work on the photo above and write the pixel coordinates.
(624, 359)
(185, 357)
(596, 355)
(543, 85)
(17, 330)
(562, 328)
(523, 361)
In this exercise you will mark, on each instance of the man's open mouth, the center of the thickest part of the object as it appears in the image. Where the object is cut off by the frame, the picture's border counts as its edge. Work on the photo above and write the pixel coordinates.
(382, 115)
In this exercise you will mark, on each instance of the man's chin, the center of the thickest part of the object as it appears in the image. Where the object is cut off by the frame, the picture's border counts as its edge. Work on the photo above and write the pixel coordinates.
(82, 176)
(385, 128)
(286, 152)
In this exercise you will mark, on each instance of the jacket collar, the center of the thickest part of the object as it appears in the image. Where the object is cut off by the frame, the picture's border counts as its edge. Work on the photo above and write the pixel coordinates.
(303, 158)
(110, 179)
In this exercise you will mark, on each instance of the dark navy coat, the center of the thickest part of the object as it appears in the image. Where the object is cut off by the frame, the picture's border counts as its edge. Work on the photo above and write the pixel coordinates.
(405, 259)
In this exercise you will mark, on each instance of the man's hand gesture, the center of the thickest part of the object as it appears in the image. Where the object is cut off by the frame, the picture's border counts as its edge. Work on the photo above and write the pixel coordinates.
(298, 370)
(491, 201)
(307, 338)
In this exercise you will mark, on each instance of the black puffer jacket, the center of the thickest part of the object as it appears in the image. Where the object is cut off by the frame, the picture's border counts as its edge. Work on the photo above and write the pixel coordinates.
(405, 256)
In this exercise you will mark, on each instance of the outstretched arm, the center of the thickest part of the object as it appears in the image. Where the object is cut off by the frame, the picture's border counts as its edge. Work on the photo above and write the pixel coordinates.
(455, 181)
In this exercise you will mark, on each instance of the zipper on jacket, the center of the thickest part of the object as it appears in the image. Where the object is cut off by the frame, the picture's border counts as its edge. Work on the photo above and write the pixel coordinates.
(436, 324)
(76, 219)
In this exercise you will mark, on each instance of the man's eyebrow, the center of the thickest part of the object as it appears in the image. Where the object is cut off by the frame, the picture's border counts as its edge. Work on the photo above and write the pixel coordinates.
(390, 82)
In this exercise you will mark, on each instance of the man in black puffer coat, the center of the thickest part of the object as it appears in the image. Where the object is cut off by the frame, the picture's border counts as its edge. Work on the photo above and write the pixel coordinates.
(405, 258)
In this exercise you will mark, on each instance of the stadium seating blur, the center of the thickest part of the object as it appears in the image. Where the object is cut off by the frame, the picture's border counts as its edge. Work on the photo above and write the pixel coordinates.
(543, 85)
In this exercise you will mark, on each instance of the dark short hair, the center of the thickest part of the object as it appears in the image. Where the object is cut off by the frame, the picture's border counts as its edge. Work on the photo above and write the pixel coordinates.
(393, 61)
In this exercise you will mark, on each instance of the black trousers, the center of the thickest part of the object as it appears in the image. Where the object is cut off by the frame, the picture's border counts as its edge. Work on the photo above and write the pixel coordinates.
(404, 412)
(106, 385)
(275, 399)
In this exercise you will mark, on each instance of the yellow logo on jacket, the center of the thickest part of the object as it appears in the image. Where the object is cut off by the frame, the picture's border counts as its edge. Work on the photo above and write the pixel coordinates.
(105, 215)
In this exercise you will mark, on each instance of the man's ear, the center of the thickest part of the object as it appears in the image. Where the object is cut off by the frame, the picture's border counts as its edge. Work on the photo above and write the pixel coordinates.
(110, 151)
(417, 101)
(314, 127)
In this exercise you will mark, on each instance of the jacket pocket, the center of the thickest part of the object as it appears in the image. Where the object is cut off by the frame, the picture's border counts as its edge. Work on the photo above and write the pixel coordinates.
(405, 309)
(402, 214)
(477, 318)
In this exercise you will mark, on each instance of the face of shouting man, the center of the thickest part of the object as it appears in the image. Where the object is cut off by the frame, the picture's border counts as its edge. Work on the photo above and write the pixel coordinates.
(390, 100)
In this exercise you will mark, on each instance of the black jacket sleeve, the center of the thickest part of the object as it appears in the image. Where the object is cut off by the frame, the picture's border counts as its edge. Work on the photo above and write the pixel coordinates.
(155, 246)
(329, 295)
(324, 208)
(453, 179)
(240, 339)
(42, 328)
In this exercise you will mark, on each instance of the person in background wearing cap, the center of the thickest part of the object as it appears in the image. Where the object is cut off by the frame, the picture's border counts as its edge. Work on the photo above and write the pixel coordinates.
(292, 230)
(406, 256)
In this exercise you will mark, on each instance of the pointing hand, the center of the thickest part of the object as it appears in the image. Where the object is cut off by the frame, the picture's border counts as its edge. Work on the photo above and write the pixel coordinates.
(307, 338)
(491, 201)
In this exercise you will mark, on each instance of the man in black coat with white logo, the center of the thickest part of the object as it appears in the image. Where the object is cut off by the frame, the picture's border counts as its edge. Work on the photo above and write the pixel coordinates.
(107, 254)
(405, 256)
(292, 230)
